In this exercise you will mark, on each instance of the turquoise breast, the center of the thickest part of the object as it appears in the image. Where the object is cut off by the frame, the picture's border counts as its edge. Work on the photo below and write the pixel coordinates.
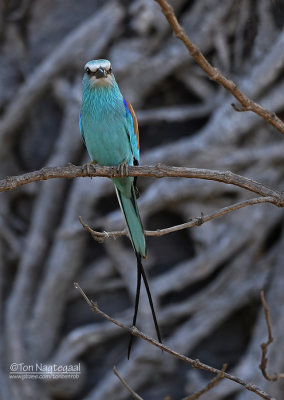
(105, 126)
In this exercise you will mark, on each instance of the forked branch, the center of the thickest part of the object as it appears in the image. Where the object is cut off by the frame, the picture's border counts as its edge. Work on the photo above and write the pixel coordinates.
(246, 103)
(264, 346)
(209, 385)
(194, 396)
(194, 363)
(196, 221)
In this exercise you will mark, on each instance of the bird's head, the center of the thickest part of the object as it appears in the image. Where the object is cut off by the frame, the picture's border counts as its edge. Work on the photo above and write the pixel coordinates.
(98, 73)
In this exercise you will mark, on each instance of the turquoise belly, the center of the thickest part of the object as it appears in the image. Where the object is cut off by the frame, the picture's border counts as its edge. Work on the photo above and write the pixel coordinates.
(108, 143)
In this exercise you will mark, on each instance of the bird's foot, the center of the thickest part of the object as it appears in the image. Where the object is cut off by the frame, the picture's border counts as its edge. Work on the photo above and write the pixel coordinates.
(137, 193)
(122, 168)
(136, 190)
(90, 166)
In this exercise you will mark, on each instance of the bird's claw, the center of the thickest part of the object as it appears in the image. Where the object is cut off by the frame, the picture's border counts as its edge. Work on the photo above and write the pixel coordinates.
(137, 194)
(90, 166)
(122, 168)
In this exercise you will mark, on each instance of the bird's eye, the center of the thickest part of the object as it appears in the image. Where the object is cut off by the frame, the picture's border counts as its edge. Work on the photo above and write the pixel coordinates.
(88, 71)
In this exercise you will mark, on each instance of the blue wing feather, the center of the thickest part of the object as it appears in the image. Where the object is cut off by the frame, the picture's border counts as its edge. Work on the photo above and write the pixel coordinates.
(131, 131)
(81, 128)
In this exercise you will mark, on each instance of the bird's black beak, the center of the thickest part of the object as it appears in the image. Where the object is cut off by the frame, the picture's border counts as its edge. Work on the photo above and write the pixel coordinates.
(100, 73)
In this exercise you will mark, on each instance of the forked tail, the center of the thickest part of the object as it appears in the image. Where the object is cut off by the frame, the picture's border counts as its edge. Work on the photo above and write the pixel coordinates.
(128, 205)
(140, 271)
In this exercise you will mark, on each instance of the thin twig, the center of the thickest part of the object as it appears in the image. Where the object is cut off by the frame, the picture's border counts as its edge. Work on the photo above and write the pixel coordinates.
(157, 171)
(194, 363)
(264, 346)
(123, 381)
(209, 385)
(196, 221)
(246, 103)
(102, 236)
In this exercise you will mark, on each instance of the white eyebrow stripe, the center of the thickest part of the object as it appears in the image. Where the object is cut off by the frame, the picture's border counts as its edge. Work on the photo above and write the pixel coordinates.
(95, 64)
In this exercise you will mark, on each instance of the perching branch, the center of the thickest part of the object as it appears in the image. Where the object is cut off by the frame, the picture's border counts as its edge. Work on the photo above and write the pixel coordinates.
(264, 346)
(194, 363)
(196, 221)
(246, 103)
(209, 385)
(158, 171)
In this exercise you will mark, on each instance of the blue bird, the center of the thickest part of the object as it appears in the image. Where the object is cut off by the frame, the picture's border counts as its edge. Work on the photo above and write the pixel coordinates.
(109, 130)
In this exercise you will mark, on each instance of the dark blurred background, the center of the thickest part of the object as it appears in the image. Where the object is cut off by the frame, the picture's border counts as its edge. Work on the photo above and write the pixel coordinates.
(206, 280)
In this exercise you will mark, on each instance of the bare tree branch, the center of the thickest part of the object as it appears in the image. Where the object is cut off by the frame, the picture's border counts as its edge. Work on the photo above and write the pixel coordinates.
(194, 363)
(209, 385)
(264, 346)
(158, 171)
(246, 103)
(123, 381)
(225, 261)
(196, 221)
(194, 396)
